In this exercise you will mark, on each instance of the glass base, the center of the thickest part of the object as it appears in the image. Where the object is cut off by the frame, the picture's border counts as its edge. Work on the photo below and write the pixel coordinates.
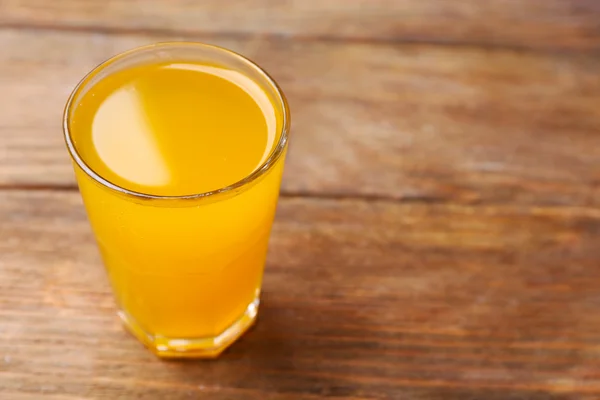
(206, 347)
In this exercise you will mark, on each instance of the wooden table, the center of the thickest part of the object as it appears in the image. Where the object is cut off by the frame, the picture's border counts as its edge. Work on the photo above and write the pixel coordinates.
(438, 235)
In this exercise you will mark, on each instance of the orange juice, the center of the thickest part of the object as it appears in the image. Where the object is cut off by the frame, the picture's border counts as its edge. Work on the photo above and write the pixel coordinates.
(179, 161)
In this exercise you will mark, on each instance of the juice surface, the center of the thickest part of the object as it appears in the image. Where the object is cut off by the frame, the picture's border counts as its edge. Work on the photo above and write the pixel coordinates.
(173, 129)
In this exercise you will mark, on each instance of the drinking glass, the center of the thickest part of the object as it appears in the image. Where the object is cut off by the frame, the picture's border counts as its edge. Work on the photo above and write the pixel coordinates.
(186, 271)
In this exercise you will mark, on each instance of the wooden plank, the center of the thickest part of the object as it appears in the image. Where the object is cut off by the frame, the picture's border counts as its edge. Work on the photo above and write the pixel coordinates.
(441, 124)
(399, 301)
(569, 24)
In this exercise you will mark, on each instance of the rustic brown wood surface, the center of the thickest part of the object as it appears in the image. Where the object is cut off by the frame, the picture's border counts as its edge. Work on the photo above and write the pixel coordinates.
(439, 231)
(568, 24)
(438, 123)
(384, 300)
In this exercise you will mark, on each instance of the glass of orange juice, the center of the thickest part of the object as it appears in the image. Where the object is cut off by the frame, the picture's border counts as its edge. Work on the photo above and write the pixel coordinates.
(178, 150)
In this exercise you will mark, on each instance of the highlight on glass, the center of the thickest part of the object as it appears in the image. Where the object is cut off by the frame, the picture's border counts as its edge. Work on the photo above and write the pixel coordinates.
(178, 151)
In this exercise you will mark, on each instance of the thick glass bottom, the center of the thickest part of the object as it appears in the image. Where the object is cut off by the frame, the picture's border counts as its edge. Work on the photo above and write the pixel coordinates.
(205, 347)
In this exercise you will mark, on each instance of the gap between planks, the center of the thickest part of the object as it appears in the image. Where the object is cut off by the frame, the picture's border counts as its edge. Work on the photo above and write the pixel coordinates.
(71, 187)
(582, 211)
(242, 35)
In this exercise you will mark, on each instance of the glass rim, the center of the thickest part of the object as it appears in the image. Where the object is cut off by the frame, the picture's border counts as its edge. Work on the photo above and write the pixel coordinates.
(275, 153)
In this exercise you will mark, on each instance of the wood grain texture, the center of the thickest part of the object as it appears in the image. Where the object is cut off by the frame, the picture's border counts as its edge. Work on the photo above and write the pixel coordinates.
(449, 247)
(421, 122)
(363, 300)
(567, 24)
